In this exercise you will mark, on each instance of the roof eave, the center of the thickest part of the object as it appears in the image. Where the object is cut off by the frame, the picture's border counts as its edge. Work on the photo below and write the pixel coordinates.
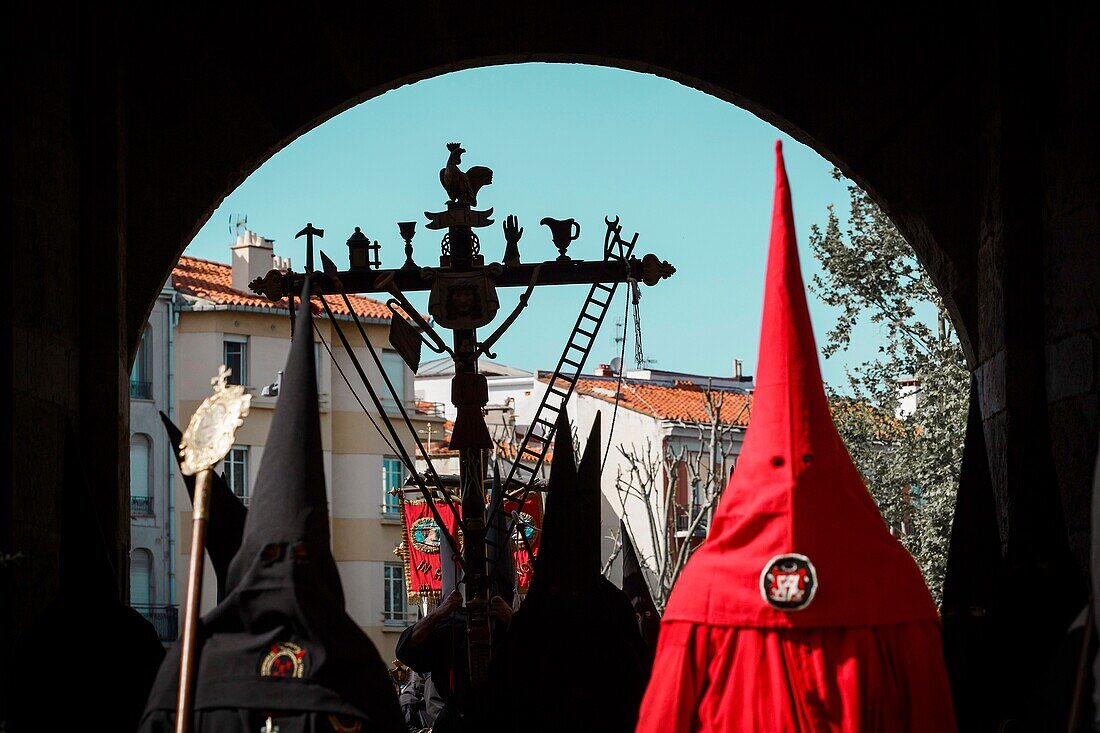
(201, 305)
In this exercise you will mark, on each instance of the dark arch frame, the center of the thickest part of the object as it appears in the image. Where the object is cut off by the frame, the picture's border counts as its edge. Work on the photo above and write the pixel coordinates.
(779, 98)
(129, 125)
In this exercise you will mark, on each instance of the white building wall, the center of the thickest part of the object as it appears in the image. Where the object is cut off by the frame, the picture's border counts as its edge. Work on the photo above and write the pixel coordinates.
(360, 478)
(436, 389)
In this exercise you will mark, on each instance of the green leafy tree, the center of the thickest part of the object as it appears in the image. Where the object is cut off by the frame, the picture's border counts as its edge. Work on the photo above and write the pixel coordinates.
(909, 458)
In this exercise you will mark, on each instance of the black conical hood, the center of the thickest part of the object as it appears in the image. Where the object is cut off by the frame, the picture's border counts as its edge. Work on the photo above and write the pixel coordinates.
(568, 561)
(559, 532)
(637, 590)
(225, 527)
(585, 515)
(498, 546)
(281, 639)
(290, 504)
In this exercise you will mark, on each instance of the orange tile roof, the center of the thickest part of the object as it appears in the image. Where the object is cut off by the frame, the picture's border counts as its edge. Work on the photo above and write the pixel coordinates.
(213, 281)
(682, 401)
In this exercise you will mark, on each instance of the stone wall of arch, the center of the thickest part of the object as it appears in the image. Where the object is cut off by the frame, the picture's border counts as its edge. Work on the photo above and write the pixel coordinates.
(974, 132)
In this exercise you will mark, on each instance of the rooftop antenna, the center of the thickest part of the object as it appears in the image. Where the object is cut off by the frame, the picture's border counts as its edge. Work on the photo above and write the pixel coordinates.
(241, 222)
(619, 329)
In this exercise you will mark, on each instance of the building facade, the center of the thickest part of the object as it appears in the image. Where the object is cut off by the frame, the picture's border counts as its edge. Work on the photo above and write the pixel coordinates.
(217, 320)
(153, 584)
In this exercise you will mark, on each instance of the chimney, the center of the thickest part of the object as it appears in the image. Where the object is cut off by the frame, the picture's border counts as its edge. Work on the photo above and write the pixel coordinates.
(736, 368)
(604, 370)
(253, 257)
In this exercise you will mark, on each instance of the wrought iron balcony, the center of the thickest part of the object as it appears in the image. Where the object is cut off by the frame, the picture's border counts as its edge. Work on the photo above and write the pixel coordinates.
(141, 390)
(423, 407)
(413, 407)
(403, 618)
(141, 506)
(165, 619)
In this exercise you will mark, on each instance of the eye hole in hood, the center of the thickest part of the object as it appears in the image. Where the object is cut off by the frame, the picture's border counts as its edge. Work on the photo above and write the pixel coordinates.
(272, 553)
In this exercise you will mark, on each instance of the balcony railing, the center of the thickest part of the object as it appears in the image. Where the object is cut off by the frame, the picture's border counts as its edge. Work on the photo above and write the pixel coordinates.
(404, 618)
(141, 390)
(141, 506)
(423, 407)
(165, 619)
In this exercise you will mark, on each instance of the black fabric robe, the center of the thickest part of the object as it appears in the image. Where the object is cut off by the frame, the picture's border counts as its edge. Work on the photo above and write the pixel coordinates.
(574, 660)
(442, 656)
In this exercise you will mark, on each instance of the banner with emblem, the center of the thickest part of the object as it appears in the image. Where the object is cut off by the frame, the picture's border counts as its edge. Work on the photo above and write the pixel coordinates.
(525, 536)
(420, 547)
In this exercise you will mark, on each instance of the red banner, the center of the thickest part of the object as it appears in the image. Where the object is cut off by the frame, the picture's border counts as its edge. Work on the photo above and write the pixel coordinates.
(422, 542)
(531, 531)
(421, 545)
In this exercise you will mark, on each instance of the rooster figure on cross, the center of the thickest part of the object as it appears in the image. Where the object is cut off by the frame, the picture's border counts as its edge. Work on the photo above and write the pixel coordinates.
(462, 187)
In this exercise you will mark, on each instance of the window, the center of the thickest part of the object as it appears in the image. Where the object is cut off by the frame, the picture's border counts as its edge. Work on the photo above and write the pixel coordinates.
(141, 503)
(141, 377)
(235, 356)
(393, 477)
(141, 563)
(236, 471)
(395, 370)
(393, 613)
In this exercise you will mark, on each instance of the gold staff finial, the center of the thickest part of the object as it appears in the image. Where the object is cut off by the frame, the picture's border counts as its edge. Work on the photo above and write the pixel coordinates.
(207, 440)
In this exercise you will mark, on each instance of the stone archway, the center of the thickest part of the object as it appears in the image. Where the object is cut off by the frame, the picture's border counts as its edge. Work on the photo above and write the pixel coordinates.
(128, 131)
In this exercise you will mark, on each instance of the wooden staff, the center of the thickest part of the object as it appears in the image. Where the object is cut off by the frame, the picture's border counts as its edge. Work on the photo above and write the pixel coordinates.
(208, 438)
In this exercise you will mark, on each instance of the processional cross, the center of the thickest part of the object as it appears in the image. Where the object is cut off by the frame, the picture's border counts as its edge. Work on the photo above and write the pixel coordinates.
(463, 299)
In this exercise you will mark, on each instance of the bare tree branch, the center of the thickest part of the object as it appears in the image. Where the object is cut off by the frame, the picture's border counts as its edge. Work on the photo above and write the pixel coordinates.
(676, 486)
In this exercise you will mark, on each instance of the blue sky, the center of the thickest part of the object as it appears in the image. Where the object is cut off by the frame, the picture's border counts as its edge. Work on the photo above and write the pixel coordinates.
(693, 175)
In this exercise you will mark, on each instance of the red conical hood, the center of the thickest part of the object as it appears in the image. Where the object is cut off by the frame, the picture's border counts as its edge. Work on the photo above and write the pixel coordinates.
(797, 539)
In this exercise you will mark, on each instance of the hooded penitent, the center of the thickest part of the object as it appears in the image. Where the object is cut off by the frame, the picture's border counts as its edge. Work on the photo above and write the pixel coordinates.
(280, 644)
(498, 548)
(225, 527)
(800, 611)
(85, 647)
(637, 590)
(574, 643)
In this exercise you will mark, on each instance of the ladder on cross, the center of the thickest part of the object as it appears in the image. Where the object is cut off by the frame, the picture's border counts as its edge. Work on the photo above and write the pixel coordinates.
(540, 435)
